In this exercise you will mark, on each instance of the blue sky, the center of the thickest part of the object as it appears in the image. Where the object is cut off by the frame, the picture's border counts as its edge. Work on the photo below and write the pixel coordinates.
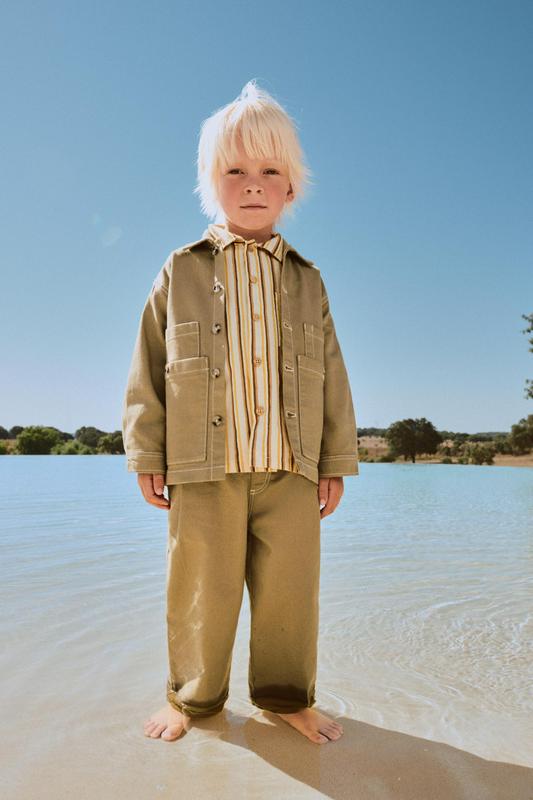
(416, 120)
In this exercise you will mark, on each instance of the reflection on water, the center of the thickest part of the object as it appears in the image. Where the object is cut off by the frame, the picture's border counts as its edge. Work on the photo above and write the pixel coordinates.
(425, 606)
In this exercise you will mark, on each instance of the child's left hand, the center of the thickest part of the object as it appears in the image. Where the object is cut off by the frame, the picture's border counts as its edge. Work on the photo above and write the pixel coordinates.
(330, 491)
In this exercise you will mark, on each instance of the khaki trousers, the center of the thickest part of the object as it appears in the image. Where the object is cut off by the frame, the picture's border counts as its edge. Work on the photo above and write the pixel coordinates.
(262, 528)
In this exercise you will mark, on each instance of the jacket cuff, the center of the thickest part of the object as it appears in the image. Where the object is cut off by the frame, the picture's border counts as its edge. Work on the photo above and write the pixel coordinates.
(337, 466)
(147, 463)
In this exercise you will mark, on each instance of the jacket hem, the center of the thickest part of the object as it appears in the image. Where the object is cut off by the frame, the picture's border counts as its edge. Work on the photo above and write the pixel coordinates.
(336, 466)
(218, 473)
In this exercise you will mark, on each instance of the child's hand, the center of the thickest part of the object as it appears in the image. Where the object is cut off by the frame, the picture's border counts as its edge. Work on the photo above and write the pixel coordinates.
(152, 487)
(330, 491)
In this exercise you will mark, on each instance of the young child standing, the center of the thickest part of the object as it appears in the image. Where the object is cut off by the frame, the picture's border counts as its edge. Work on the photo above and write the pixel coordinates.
(238, 400)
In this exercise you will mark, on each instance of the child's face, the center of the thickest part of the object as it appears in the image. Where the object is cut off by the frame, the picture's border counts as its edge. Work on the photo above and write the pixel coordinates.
(262, 183)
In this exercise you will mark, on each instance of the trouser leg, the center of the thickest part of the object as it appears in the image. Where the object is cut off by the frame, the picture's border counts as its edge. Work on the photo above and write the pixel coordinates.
(282, 576)
(205, 581)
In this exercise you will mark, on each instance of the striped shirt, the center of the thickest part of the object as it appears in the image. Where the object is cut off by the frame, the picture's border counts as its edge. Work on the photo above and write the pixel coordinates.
(256, 435)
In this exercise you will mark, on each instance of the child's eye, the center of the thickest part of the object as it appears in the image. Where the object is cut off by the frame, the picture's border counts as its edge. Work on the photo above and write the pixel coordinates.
(268, 169)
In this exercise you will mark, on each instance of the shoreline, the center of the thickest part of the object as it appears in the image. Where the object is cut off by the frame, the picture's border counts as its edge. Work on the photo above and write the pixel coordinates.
(376, 446)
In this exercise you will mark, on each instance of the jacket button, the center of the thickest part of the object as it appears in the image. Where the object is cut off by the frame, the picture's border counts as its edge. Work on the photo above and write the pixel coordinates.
(214, 250)
(291, 413)
(215, 372)
(217, 287)
(216, 327)
(288, 367)
(217, 420)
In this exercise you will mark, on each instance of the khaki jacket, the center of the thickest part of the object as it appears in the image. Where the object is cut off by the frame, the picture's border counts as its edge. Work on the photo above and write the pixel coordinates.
(173, 420)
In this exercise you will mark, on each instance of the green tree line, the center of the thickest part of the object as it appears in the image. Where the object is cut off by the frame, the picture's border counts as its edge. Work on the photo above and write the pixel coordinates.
(407, 438)
(47, 440)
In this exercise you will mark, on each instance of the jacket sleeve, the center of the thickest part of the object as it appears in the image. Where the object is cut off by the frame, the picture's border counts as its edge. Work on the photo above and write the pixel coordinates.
(338, 450)
(144, 405)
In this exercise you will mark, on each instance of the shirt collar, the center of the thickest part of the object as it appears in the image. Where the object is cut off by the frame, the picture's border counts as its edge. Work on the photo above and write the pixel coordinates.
(222, 236)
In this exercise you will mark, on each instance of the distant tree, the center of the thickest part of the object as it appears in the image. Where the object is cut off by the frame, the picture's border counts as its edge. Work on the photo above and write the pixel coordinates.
(89, 435)
(412, 437)
(111, 443)
(72, 448)
(4, 433)
(529, 384)
(477, 453)
(487, 436)
(14, 431)
(64, 436)
(371, 431)
(37, 440)
(521, 436)
(502, 444)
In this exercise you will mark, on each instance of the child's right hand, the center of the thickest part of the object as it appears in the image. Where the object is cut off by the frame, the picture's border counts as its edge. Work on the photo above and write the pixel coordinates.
(152, 487)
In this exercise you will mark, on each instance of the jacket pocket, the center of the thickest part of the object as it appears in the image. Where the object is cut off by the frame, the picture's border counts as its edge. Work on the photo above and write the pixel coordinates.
(183, 340)
(313, 341)
(186, 389)
(310, 404)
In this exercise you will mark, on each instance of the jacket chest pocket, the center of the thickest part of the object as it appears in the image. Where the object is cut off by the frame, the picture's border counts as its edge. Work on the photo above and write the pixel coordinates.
(310, 404)
(313, 341)
(186, 391)
(183, 340)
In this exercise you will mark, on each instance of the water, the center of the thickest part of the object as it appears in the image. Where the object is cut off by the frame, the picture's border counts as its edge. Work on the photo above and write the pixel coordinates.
(425, 625)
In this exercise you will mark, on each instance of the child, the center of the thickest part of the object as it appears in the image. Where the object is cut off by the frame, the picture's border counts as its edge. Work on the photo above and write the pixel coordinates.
(238, 400)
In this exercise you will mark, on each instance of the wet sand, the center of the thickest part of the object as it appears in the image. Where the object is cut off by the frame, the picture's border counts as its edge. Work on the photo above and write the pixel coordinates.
(88, 743)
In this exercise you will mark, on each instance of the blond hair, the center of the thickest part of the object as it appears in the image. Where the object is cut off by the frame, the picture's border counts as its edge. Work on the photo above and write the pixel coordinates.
(266, 131)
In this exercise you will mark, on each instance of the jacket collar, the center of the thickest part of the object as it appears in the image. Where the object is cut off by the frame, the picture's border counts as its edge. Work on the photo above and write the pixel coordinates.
(286, 247)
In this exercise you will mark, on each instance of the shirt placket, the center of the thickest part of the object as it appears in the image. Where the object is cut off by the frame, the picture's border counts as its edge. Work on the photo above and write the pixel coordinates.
(259, 399)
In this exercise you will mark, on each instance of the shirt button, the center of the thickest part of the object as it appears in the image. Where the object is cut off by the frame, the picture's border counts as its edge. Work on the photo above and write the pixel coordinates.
(259, 410)
(256, 316)
(253, 279)
(257, 360)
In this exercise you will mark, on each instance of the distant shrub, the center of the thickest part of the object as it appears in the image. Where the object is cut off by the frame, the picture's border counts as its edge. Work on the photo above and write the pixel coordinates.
(72, 448)
(37, 440)
(476, 453)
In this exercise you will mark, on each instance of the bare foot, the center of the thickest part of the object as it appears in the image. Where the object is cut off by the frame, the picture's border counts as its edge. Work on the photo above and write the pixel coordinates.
(167, 723)
(317, 727)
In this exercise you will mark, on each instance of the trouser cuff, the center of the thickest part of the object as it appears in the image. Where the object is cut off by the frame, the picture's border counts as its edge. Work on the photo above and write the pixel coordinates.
(206, 709)
(283, 702)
